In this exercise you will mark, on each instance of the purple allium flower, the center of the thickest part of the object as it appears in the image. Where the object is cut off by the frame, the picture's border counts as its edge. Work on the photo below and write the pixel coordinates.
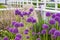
(21, 24)
(19, 36)
(17, 12)
(29, 13)
(6, 38)
(58, 14)
(33, 33)
(31, 9)
(57, 18)
(38, 33)
(16, 38)
(26, 31)
(52, 21)
(45, 26)
(48, 14)
(13, 22)
(30, 19)
(57, 33)
(10, 29)
(38, 39)
(24, 13)
(33, 20)
(53, 15)
(27, 37)
(43, 32)
(15, 30)
(52, 31)
(17, 24)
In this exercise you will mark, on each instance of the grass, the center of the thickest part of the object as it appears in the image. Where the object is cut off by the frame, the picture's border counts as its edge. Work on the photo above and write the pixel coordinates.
(1, 6)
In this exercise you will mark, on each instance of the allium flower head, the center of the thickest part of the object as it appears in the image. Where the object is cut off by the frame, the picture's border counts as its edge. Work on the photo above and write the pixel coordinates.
(29, 19)
(21, 24)
(38, 39)
(58, 14)
(53, 15)
(19, 36)
(31, 9)
(48, 14)
(15, 30)
(38, 33)
(13, 22)
(24, 13)
(27, 37)
(16, 38)
(57, 18)
(52, 21)
(16, 24)
(33, 20)
(43, 32)
(57, 33)
(52, 31)
(45, 26)
(26, 31)
(33, 33)
(5, 38)
(53, 36)
(10, 29)
(17, 12)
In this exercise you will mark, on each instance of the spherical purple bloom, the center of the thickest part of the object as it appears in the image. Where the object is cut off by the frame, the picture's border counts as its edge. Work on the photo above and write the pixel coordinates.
(21, 24)
(17, 24)
(15, 30)
(57, 33)
(10, 30)
(24, 13)
(58, 14)
(52, 31)
(16, 38)
(6, 38)
(13, 22)
(38, 39)
(27, 37)
(26, 31)
(17, 12)
(52, 21)
(48, 14)
(43, 32)
(57, 18)
(29, 19)
(38, 33)
(33, 33)
(33, 20)
(45, 26)
(31, 9)
(21, 14)
(19, 36)
(53, 15)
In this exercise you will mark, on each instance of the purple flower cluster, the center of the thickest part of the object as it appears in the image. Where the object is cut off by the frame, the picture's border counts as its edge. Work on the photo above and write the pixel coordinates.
(18, 12)
(52, 21)
(31, 19)
(17, 24)
(26, 31)
(6, 38)
(18, 37)
(48, 14)
(13, 30)
(45, 26)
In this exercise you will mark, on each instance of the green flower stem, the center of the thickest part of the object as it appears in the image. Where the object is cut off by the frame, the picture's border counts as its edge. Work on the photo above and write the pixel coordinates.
(46, 35)
(51, 38)
(57, 26)
(58, 38)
